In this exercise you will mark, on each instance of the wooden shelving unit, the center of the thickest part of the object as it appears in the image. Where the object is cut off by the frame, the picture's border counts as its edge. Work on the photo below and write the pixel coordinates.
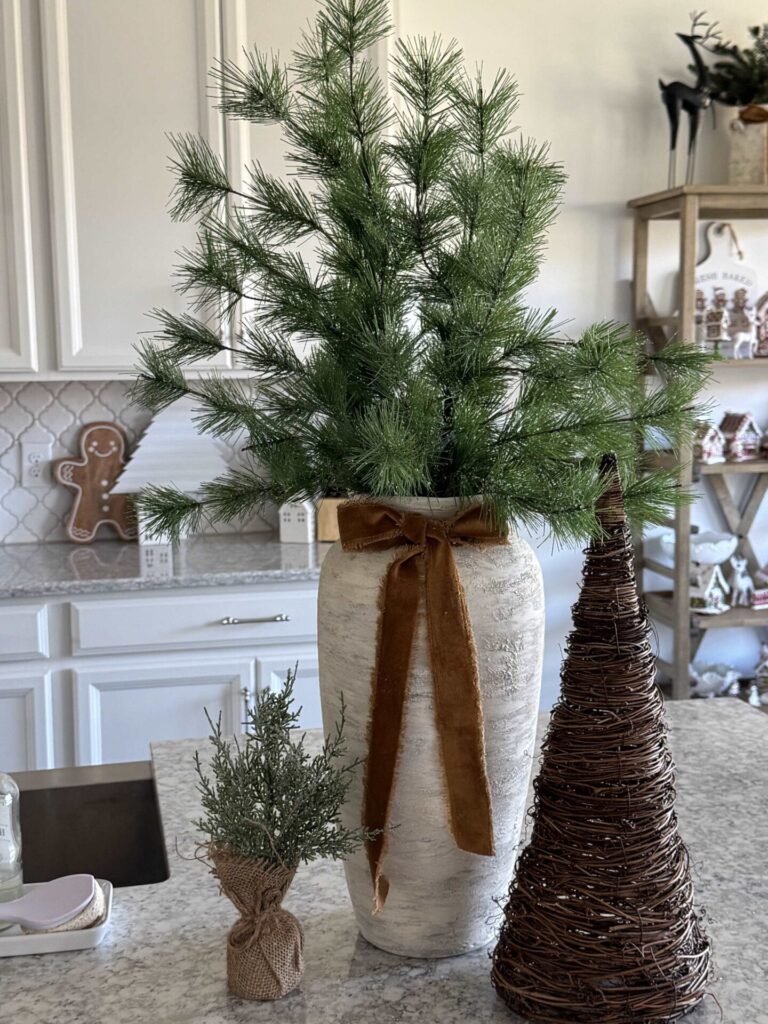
(688, 205)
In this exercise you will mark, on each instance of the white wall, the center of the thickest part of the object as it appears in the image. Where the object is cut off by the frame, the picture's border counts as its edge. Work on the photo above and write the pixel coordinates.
(588, 73)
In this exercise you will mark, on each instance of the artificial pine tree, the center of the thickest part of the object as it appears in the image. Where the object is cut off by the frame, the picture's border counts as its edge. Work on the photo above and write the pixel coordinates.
(600, 926)
(397, 254)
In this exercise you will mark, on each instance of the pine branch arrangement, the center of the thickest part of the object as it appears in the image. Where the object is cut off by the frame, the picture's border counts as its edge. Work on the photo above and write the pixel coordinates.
(267, 798)
(397, 255)
(739, 76)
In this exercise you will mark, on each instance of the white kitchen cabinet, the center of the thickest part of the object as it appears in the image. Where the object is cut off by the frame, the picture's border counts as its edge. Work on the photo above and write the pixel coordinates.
(118, 77)
(271, 670)
(26, 722)
(23, 632)
(121, 708)
(18, 346)
(108, 80)
(95, 678)
(273, 615)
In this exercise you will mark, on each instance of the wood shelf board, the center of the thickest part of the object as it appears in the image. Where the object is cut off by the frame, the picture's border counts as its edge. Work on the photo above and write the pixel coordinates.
(672, 320)
(733, 619)
(750, 468)
(713, 202)
(668, 460)
(759, 362)
(762, 362)
(659, 603)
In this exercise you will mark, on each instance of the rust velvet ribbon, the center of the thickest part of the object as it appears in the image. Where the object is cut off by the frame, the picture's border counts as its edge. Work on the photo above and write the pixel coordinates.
(425, 567)
(753, 114)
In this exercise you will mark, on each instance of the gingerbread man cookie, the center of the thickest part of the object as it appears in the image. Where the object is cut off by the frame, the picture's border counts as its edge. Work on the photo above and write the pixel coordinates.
(91, 477)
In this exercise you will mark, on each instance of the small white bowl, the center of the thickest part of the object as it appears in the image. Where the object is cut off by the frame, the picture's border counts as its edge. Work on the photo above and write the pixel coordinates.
(707, 548)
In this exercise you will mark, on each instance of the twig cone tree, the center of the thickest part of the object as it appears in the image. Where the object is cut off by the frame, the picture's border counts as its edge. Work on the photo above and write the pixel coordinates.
(600, 924)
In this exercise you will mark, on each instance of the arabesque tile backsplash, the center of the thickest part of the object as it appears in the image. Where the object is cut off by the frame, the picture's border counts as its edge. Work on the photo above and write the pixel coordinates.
(54, 411)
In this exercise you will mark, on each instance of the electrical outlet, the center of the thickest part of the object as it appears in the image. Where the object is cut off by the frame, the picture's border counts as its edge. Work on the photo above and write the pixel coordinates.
(35, 464)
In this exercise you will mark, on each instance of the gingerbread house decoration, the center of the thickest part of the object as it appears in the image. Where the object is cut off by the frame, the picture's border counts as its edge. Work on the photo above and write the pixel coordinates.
(717, 321)
(742, 436)
(709, 444)
(709, 590)
(761, 316)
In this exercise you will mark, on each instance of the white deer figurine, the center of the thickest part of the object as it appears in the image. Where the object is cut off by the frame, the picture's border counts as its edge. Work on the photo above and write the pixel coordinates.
(746, 337)
(741, 582)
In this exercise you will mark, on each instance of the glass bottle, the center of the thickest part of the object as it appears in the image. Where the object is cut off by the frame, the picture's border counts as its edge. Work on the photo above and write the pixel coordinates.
(10, 843)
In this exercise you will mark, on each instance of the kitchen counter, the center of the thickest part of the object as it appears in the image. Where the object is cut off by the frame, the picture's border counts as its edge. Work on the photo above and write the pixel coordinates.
(164, 957)
(35, 570)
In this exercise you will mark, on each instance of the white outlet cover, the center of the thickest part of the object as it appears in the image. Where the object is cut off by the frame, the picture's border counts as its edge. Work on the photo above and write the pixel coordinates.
(35, 464)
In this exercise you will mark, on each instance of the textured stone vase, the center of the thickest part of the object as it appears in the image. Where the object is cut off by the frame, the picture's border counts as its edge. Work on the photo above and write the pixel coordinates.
(441, 899)
(748, 161)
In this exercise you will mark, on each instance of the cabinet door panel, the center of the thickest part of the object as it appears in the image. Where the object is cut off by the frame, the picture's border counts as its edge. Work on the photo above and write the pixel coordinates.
(17, 311)
(119, 711)
(26, 724)
(23, 632)
(118, 77)
(272, 669)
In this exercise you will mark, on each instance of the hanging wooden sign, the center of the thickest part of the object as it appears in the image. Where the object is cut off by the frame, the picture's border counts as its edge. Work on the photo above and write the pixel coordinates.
(726, 296)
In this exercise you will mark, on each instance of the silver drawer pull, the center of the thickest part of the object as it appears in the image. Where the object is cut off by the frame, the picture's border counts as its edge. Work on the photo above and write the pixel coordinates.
(230, 620)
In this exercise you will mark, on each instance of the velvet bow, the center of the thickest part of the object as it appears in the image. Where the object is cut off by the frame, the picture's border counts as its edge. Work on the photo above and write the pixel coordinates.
(425, 568)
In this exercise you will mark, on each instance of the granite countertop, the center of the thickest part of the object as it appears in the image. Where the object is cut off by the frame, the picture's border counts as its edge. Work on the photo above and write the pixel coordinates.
(164, 956)
(36, 570)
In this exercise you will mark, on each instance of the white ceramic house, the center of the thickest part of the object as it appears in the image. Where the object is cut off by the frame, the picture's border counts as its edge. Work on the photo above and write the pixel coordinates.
(173, 452)
(709, 444)
(709, 590)
(297, 522)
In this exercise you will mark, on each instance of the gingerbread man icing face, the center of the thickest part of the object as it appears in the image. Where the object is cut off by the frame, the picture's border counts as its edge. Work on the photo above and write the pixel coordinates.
(101, 443)
(91, 477)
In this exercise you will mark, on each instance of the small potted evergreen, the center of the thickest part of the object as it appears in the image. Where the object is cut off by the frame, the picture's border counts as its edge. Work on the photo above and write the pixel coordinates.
(378, 297)
(268, 806)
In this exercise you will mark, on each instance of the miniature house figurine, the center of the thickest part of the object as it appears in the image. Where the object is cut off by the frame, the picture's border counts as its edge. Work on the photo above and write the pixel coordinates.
(708, 590)
(699, 318)
(761, 326)
(297, 522)
(709, 444)
(717, 321)
(742, 436)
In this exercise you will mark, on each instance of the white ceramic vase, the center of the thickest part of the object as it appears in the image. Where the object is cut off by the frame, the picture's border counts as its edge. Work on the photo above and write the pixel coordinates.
(748, 161)
(441, 899)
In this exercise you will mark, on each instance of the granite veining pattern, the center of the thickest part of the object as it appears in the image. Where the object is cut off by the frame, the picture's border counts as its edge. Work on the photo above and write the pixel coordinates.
(37, 570)
(164, 957)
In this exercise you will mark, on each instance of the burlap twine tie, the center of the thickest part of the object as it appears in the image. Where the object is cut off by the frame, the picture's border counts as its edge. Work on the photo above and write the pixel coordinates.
(265, 947)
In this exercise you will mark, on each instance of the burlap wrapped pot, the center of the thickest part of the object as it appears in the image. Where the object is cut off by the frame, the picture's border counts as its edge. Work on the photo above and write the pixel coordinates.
(265, 947)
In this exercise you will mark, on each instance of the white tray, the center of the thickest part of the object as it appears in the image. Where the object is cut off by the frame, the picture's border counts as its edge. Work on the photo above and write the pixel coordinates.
(13, 941)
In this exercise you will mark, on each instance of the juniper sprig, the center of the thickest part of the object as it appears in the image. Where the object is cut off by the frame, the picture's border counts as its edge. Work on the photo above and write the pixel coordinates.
(265, 797)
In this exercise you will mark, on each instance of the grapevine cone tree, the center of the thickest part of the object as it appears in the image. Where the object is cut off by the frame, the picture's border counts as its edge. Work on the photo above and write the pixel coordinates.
(600, 926)
(377, 294)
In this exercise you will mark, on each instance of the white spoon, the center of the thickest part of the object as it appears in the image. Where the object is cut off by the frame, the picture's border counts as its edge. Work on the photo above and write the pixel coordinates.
(50, 904)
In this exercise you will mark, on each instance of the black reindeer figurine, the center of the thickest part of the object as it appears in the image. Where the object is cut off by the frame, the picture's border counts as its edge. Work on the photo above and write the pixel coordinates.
(692, 99)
